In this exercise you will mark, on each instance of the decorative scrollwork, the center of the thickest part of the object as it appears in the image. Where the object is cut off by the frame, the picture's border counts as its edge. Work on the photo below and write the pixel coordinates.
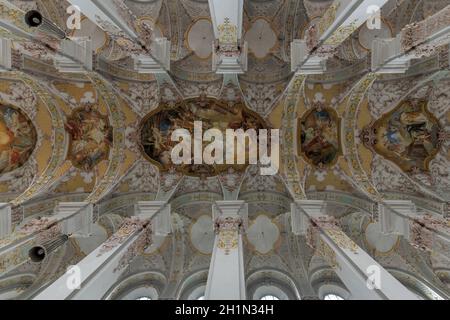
(228, 229)
(291, 170)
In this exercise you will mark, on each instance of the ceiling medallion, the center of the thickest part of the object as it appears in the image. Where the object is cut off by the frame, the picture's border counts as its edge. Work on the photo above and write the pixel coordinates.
(199, 37)
(157, 127)
(261, 38)
(18, 138)
(319, 140)
(408, 136)
(90, 137)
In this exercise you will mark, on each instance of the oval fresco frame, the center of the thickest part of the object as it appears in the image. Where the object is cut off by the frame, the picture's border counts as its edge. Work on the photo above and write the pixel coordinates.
(105, 118)
(218, 169)
(338, 122)
(423, 104)
(34, 133)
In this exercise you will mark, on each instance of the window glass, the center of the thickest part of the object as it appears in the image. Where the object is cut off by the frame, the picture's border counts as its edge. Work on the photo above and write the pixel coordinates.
(332, 296)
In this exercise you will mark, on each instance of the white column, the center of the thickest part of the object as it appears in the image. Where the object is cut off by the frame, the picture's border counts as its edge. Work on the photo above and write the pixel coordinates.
(229, 52)
(362, 275)
(106, 15)
(158, 62)
(68, 218)
(93, 276)
(5, 220)
(76, 56)
(424, 230)
(226, 278)
(389, 219)
(415, 41)
(81, 221)
(342, 18)
(114, 18)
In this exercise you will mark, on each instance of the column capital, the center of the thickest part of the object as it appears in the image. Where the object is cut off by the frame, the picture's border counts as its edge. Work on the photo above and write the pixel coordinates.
(148, 209)
(231, 207)
(313, 208)
(159, 62)
(306, 215)
(77, 55)
(160, 214)
(227, 214)
(77, 217)
(228, 223)
(393, 216)
(301, 61)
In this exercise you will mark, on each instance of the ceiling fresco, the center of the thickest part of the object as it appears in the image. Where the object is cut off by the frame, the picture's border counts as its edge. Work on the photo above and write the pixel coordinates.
(157, 127)
(408, 136)
(319, 139)
(18, 138)
(90, 137)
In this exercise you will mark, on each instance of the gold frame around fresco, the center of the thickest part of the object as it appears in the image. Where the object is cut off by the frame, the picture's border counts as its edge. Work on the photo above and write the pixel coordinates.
(424, 107)
(34, 129)
(300, 152)
(69, 148)
(217, 168)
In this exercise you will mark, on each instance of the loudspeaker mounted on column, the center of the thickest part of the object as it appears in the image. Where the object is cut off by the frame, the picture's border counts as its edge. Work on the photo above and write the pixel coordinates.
(39, 252)
(34, 19)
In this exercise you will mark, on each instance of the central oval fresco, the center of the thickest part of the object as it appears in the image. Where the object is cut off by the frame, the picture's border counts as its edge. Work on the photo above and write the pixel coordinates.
(18, 138)
(157, 127)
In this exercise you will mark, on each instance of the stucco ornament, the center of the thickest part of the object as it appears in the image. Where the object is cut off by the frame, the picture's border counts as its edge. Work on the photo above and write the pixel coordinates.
(139, 246)
(129, 226)
(228, 229)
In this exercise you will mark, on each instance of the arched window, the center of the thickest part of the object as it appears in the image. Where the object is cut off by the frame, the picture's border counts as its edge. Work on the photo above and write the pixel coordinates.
(270, 292)
(141, 293)
(332, 296)
(198, 293)
(333, 291)
(269, 297)
(271, 283)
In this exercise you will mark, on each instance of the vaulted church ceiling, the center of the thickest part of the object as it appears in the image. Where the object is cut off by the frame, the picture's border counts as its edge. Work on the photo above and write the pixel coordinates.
(321, 109)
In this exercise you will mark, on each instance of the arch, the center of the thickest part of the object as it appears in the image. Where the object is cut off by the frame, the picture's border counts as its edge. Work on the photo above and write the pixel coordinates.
(11, 287)
(193, 286)
(130, 288)
(324, 280)
(270, 281)
(418, 285)
(117, 152)
(56, 167)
